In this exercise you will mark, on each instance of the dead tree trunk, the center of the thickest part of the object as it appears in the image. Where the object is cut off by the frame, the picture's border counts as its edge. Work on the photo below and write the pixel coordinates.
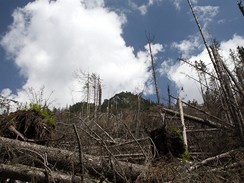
(241, 7)
(229, 100)
(33, 174)
(65, 160)
(138, 119)
(169, 98)
(99, 94)
(229, 97)
(183, 124)
(149, 40)
(198, 120)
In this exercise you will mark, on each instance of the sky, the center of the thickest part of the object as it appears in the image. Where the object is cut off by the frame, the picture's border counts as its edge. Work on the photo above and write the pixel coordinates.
(43, 43)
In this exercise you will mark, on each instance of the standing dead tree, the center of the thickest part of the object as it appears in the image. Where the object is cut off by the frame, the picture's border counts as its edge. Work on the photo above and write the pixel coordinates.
(138, 120)
(226, 82)
(201, 69)
(229, 97)
(91, 88)
(183, 124)
(97, 92)
(150, 41)
(5, 104)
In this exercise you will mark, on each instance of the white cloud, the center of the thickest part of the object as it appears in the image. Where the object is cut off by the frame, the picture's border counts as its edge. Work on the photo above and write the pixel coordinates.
(206, 14)
(93, 3)
(179, 71)
(156, 48)
(6, 92)
(177, 4)
(149, 88)
(143, 8)
(51, 40)
(226, 45)
(188, 46)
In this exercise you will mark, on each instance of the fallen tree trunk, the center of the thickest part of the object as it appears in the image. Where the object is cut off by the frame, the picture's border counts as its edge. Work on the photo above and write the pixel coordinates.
(203, 130)
(219, 156)
(64, 159)
(33, 174)
(198, 120)
(202, 111)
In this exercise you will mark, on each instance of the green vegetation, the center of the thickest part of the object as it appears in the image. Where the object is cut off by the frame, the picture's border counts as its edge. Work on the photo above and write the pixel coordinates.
(80, 106)
(45, 113)
(185, 156)
(122, 100)
(175, 130)
(127, 100)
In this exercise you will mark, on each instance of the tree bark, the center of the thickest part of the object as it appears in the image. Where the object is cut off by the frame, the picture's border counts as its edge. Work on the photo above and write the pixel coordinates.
(31, 174)
(149, 40)
(229, 97)
(204, 112)
(63, 159)
(219, 156)
(197, 119)
(183, 124)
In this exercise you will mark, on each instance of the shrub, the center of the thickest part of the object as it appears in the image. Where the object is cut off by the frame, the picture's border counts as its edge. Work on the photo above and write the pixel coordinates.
(45, 113)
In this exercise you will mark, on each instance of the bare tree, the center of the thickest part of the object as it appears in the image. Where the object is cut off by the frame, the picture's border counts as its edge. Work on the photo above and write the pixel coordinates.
(226, 87)
(5, 104)
(226, 82)
(39, 97)
(97, 91)
(138, 120)
(201, 69)
(150, 39)
(91, 88)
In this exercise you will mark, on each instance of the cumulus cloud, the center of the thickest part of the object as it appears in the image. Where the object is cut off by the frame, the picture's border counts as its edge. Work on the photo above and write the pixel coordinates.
(50, 40)
(188, 46)
(179, 73)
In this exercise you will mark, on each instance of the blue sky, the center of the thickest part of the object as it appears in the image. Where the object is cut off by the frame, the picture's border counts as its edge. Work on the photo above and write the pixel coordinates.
(44, 42)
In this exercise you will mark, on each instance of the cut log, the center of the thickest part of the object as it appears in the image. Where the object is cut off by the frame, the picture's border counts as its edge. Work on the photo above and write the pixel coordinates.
(63, 159)
(29, 174)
